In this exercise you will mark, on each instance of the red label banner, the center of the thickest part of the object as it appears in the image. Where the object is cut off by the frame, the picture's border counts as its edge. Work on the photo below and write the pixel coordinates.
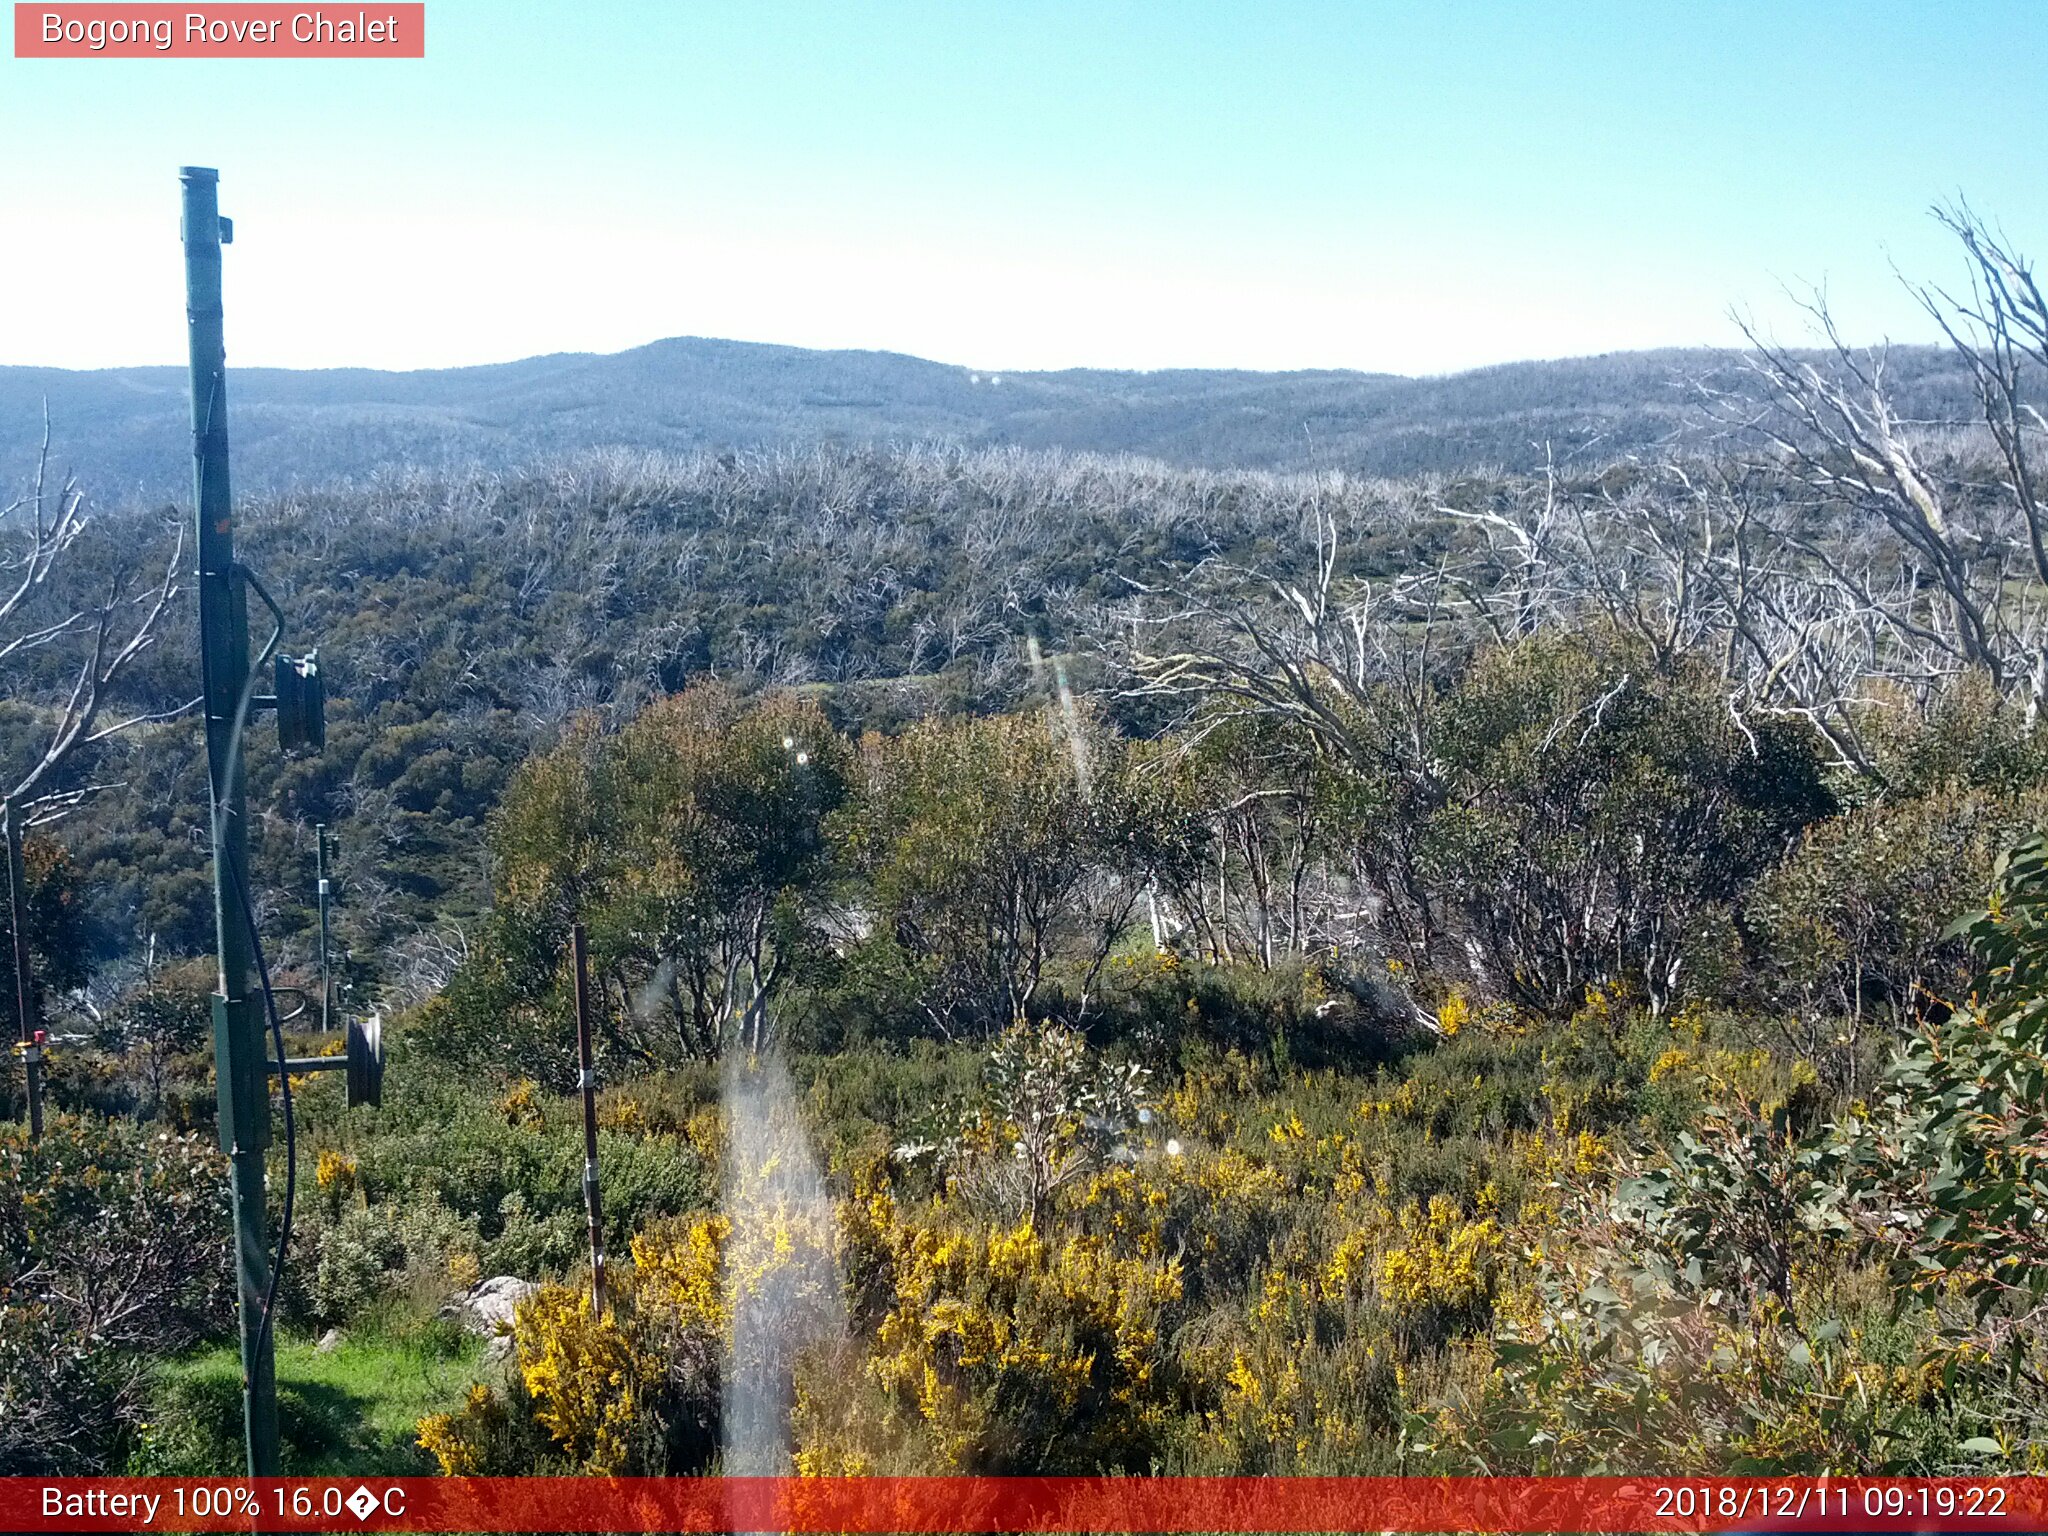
(875, 1505)
(113, 31)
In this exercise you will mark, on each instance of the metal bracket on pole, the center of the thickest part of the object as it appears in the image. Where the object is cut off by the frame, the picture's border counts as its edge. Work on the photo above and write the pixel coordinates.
(362, 1058)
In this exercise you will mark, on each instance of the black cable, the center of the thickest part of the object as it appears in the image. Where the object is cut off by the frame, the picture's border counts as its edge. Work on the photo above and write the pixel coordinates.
(239, 880)
(284, 1078)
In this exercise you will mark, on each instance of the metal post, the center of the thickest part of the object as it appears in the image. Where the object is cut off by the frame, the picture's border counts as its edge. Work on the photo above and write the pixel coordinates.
(320, 870)
(24, 977)
(244, 1086)
(586, 1079)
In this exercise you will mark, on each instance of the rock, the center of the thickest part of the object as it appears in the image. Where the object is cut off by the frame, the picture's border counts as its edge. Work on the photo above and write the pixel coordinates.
(330, 1341)
(487, 1306)
(499, 1349)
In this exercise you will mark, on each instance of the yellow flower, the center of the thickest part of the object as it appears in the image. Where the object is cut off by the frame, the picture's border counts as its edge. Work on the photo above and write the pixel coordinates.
(1454, 1013)
(457, 1440)
(335, 1170)
(521, 1106)
(624, 1114)
(1006, 1316)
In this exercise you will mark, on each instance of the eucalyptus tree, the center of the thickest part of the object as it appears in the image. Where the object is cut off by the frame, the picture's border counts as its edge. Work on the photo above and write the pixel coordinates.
(691, 843)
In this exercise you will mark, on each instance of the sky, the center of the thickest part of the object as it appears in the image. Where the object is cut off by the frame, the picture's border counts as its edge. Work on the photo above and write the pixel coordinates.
(1027, 184)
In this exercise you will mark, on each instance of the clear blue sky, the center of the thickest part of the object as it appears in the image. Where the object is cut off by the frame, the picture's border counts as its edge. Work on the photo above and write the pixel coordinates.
(1277, 183)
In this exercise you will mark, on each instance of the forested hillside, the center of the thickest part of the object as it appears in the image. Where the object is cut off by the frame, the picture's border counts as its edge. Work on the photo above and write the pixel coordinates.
(464, 621)
(124, 429)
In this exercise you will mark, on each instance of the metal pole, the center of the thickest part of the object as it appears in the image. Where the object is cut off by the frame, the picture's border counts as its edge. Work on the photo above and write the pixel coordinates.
(24, 976)
(320, 869)
(244, 1085)
(586, 1079)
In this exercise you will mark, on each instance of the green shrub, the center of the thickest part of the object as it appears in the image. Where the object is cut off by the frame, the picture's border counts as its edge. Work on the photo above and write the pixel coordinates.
(1166, 1006)
(442, 1139)
(1954, 1158)
(195, 1426)
(114, 1250)
(1966, 738)
(71, 1402)
(1708, 1317)
(163, 1032)
(990, 848)
(1597, 804)
(1853, 929)
(408, 1252)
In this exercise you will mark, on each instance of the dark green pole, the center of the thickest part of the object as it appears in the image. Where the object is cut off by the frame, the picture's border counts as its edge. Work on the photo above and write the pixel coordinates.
(224, 668)
(24, 977)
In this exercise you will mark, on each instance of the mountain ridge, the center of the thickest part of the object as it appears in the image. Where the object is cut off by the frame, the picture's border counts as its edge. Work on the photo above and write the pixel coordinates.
(125, 431)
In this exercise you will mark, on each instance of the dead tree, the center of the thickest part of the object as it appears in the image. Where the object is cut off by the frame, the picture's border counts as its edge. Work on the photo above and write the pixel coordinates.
(1942, 566)
(2000, 331)
(1348, 666)
(107, 628)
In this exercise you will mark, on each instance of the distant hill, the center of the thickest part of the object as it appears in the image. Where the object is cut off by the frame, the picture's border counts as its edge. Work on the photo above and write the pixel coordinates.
(125, 430)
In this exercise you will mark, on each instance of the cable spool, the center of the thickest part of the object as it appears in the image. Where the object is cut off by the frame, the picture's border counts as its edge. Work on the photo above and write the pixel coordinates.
(366, 1061)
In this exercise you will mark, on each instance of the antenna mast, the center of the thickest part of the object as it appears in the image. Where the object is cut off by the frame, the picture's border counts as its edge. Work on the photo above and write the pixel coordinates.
(224, 672)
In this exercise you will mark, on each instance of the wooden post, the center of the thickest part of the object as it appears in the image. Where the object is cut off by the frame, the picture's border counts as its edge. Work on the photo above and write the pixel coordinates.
(586, 1080)
(320, 874)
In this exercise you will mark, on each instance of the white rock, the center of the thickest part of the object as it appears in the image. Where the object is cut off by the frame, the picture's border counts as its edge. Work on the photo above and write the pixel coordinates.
(487, 1306)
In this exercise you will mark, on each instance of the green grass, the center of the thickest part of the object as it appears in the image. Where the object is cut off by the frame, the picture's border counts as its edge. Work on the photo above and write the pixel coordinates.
(354, 1410)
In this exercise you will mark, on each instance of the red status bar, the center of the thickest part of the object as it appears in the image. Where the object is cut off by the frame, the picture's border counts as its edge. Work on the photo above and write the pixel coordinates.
(997, 1504)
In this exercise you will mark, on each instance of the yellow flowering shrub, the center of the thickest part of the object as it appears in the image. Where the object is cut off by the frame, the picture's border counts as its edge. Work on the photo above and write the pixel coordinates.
(1014, 1352)
(784, 1256)
(622, 1113)
(334, 1172)
(521, 1105)
(589, 1377)
(677, 1267)
(1213, 1210)
(1572, 1157)
(1438, 1281)
(1453, 1013)
(464, 1269)
(634, 1392)
(1278, 1270)
(1203, 1103)
(303, 1080)
(592, 1394)
(1292, 1388)
(705, 1132)
(465, 1442)
(1128, 1206)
